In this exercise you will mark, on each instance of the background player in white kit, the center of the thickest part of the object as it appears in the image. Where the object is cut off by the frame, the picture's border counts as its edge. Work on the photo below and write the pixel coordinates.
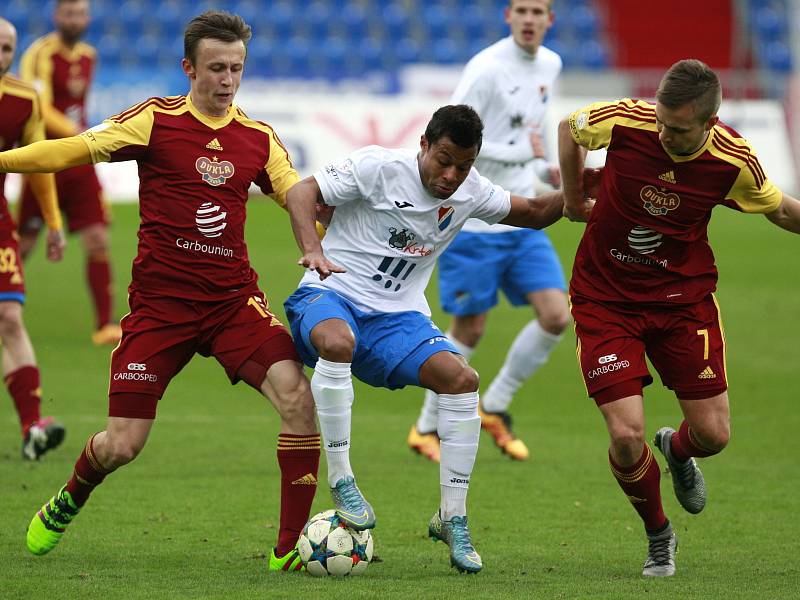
(364, 310)
(508, 84)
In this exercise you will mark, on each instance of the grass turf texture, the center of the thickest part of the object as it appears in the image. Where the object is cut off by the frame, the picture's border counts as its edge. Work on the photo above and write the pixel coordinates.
(195, 515)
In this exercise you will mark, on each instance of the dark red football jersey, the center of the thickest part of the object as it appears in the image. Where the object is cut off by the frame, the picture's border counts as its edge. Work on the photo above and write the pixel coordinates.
(61, 75)
(21, 124)
(646, 239)
(194, 172)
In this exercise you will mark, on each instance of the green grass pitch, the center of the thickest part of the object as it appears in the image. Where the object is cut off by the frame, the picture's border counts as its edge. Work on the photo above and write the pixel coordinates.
(196, 513)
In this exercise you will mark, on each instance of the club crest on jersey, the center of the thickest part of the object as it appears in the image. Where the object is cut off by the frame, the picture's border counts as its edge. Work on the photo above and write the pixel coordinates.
(659, 202)
(400, 239)
(445, 216)
(214, 172)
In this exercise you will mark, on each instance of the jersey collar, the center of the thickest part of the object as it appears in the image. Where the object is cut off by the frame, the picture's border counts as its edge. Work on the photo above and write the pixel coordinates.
(680, 159)
(212, 122)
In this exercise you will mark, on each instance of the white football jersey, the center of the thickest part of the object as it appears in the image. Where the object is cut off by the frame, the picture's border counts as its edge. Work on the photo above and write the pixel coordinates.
(387, 230)
(509, 88)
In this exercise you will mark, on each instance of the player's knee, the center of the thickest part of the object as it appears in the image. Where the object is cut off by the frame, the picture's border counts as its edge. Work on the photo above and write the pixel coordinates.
(121, 451)
(336, 348)
(10, 318)
(464, 381)
(713, 436)
(555, 322)
(627, 441)
(296, 407)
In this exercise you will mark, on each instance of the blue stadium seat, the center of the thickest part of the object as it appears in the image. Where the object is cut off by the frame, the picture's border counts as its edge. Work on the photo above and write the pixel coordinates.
(769, 23)
(408, 50)
(473, 19)
(281, 15)
(374, 55)
(318, 18)
(396, 20)
(776, 55)
(447, 52)
(110, 50)
(584, 21)
(19, 14)
(565, 50)
(438, 20)
(592, 55)
(354, 19)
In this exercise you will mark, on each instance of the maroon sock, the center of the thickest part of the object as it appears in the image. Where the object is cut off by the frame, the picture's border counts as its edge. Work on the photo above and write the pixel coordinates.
(23, 385)
(87, 475)
(685, 445)
(298, 457)
(98, 272)
(641, 483)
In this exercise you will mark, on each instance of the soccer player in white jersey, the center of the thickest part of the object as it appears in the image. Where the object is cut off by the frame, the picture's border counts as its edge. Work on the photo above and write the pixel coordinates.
(508, 84)
(361, 307)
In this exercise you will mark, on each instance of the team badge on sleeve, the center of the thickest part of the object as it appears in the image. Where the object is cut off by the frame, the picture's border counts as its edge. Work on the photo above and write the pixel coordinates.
(445, 216)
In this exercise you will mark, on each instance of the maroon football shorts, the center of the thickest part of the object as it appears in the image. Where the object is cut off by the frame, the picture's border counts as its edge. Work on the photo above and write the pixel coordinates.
(80, 198)
(160, 335)
(685, 344)
(12, 279)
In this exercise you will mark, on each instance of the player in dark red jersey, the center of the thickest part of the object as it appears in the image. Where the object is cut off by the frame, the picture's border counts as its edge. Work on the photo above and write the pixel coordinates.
(193, 289)
(644, 277)
(61, 68)
(21, 123)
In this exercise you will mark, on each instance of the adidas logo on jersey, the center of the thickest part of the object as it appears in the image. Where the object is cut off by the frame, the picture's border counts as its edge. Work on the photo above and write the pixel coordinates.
(669, 177)
(307, 479)
(707, 374)
(214, 145)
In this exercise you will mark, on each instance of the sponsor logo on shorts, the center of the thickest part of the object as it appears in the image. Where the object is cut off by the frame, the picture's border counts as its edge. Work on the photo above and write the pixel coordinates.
(603, 360)
(624, 257)
(436, 340)
(608, 368)
(707, 373)
(136, 372)
(214, 173)
(659, 202)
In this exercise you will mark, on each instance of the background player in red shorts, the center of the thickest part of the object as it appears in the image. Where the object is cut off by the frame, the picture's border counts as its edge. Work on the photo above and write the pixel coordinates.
(644, 277)
(193, 289)
(61, 67)
(22, 124)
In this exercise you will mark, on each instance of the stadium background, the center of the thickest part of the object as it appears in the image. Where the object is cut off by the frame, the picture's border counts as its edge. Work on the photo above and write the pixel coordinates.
(195, 514)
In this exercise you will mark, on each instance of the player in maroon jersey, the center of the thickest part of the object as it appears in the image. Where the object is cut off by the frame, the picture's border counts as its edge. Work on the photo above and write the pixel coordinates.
(22, 124)
(193, 289)
(644, 277)
(61, 67)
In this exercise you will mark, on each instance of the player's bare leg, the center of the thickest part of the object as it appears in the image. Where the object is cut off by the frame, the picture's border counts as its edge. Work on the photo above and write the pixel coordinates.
(27, 242)
(121, 442)
(332, 387)
(528, 352)
(456, 385)
(636, 470)
(704, 432)
(95, 239)
(21, 376)
(286, 387)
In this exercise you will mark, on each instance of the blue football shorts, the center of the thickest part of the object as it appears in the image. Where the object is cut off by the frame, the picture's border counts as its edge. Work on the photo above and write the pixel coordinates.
(390, 347)
(476, 265)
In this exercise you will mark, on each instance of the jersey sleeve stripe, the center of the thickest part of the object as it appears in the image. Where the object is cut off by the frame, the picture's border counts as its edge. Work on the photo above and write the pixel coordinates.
(757, 175)
(163, 103)
(601, 113)
(744, 150)
(745, 154)
(624, 115)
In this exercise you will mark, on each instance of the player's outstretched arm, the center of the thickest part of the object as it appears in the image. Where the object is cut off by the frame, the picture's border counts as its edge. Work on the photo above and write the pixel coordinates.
(787, 215)
(535, 213)
(44, 189)
(47, 156)
(571, 158)
(301, 201)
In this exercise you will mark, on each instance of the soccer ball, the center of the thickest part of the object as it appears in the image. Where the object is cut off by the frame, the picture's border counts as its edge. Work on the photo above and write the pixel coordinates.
(328, 547)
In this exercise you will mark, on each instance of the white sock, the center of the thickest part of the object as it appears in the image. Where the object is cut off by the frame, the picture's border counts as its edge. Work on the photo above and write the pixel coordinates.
(459, 431)
(530, 350)
(332, 387)
(428, 420)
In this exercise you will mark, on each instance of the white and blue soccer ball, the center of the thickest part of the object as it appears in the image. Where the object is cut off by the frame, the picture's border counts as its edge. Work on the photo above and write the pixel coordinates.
(328, 547)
